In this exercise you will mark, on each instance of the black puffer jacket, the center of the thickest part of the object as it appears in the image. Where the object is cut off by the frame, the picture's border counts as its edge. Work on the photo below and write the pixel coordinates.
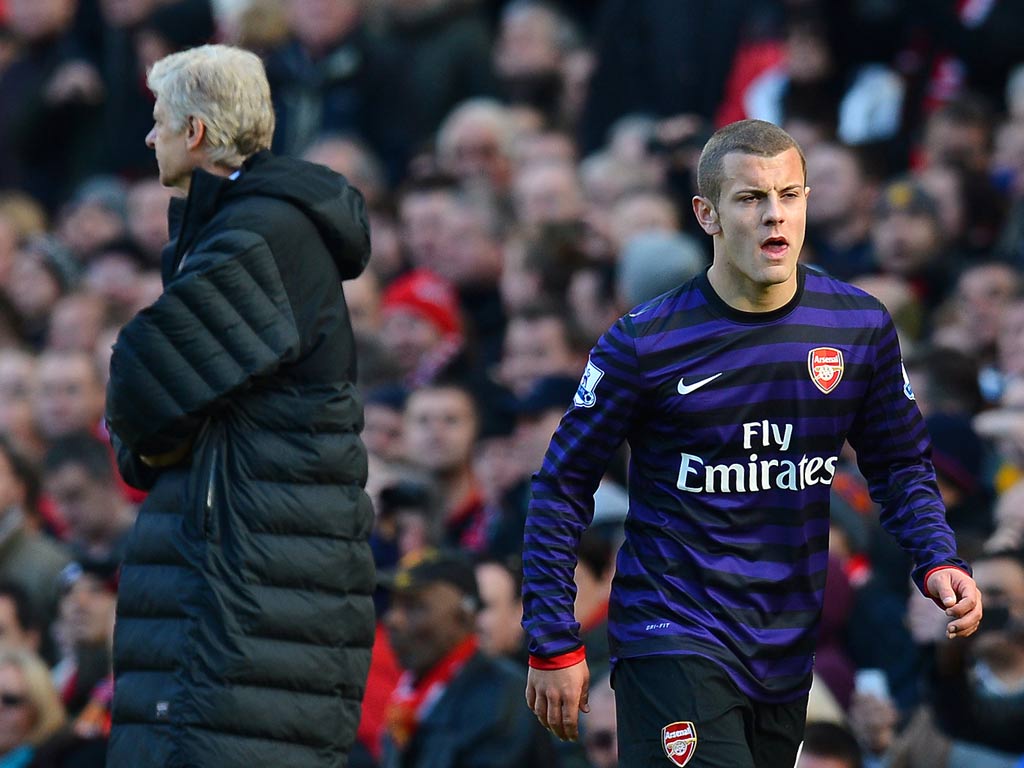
(245, 617)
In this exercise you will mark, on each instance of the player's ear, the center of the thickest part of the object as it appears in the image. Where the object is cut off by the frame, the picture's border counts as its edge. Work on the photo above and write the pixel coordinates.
(195, 132)
(707, 215)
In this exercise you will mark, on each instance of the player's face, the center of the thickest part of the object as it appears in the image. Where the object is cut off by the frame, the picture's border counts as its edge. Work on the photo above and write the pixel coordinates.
(761, 217)
(170, 144)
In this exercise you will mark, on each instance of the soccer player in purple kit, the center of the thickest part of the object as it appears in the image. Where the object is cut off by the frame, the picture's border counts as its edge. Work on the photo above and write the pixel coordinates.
(736, 392)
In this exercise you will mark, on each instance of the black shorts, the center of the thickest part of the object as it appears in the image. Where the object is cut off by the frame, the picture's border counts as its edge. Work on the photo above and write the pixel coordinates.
(685, 710)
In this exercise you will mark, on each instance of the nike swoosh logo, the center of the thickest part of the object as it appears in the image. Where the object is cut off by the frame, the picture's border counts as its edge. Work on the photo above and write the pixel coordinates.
(685, 389)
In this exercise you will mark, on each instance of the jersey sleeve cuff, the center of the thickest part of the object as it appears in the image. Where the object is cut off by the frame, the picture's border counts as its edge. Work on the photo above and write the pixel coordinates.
(924, 582)
(559, 662)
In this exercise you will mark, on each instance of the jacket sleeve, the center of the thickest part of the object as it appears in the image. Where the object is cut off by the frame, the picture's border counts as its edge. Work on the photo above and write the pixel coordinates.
(212, 331)
(562, 503)
(894, 454)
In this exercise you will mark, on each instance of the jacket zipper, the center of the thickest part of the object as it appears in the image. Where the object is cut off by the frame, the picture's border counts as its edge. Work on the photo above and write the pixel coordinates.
(208, 509)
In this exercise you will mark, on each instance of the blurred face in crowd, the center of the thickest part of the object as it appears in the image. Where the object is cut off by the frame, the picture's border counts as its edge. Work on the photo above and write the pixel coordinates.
(76, 323)
(12, 633)
(147, 217)
(440, 427)
(424, 217)
(33, 288)
(88, 226)
(408, 336)
(69, 394)
(87, 611)
(758, 225)
(318, 24)
(527, 42)
(536, 347)
(114, 278)
(17, 381)
(383, 432)
(425, 624)
(17, 715)
(498, 621)
(905, 243)
(83, 501)
(983, 293)
(548, 194)
(472, 252)
(838, 184)
(473, 150)
(943, 184)
(125, 13)
(643, 212)
(957, 143)
(33, 20)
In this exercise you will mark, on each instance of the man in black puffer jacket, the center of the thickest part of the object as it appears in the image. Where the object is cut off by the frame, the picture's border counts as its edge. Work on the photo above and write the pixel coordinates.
(245, 617)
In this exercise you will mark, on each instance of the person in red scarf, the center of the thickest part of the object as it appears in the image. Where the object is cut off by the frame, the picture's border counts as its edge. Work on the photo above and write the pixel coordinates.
(453, 706)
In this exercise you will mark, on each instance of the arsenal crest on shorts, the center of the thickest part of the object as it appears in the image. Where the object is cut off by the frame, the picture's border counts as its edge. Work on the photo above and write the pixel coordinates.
(825, 364)
(679, 740)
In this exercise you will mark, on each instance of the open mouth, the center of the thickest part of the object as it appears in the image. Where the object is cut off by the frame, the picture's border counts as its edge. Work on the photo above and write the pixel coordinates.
(775, 245)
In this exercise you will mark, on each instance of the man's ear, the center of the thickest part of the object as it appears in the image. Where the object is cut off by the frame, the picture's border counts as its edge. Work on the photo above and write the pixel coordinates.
(706, 215)
(195, 132)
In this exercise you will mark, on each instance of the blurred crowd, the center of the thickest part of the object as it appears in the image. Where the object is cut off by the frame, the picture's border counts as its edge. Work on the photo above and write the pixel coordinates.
(528, 167)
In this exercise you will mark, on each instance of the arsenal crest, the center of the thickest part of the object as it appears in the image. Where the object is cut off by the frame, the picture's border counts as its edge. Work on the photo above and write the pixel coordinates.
(679, 740)
(825, 364)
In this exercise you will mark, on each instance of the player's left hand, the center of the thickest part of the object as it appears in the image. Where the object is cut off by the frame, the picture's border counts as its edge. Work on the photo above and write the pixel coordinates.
(956, 593)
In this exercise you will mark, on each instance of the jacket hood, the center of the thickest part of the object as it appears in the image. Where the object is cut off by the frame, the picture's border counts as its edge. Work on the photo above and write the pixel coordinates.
(336, 208)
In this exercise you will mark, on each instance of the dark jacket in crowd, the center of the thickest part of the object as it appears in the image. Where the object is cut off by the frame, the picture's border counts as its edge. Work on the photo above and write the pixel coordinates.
(480, 721)
(245, 617)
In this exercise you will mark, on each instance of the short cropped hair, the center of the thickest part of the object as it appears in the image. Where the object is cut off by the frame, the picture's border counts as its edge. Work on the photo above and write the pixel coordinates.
(227, 89)
(749, 137)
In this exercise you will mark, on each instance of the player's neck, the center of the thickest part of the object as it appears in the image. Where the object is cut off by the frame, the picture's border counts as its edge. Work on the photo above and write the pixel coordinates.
(746, 295)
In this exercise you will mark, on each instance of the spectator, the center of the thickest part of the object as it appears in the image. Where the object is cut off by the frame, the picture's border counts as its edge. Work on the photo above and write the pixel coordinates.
(421, 326)
(907, 241)
(85, 634)
(81, 482)
(76, 322)
(18, 628)
(840, 217)
(540, 341)
(441, 425)
(498, 622)
(147, 218)
(17, 386)
(475, 145)
(444, 49)
(453, 705)
(27, 558)
(332, 76)
(30, 712)
(69, 394)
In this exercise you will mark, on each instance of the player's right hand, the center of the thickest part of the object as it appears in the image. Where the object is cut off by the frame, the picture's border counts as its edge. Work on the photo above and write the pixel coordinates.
(557, 696)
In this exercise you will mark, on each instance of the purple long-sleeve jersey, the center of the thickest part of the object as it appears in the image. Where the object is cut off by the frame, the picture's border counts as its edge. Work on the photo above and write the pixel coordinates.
(735, 422)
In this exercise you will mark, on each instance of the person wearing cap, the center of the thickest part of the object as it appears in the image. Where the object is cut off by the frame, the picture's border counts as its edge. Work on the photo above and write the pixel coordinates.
(454, 705)
(245, 614)
(421, 325)
(907, 240)
(736, 392)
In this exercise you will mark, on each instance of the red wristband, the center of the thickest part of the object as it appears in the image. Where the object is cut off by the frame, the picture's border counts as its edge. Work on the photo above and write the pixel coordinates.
(561, 661)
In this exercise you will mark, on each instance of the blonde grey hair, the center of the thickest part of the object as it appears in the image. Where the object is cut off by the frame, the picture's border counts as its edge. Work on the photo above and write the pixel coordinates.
(49, 715)
(485, 110)
(226, 88)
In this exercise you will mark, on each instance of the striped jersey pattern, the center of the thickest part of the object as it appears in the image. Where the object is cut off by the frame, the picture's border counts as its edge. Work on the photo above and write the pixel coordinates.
(735, 422)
